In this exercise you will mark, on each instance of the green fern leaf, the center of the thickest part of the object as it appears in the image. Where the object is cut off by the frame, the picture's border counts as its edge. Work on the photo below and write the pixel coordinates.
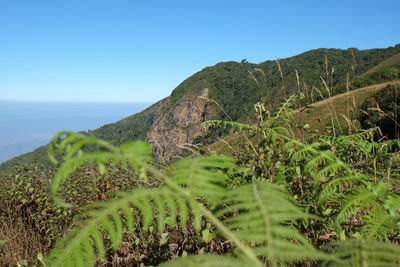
(333, 187)
(380, 222)
(66, 145)
(262, 214)
(207, 260)
(363, 197)
(355, 253)
(202, 177)
(82, 245)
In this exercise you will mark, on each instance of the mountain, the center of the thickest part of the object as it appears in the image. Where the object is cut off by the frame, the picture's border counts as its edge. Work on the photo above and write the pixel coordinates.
(230, 89)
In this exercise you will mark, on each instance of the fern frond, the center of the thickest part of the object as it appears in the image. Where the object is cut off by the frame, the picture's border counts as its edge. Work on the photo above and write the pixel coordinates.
(149, 206)
(66, 145)
(361, 198)
(262, 214)
(331, 189)
(364, 135)
(202, 176)
(286, 106)
(207, 260)
(70, 147)
(304, 149)
(355, 253)
(276, 132)
(380, 222)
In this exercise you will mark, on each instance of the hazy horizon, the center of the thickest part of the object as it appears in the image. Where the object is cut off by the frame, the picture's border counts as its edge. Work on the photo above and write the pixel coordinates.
(28, 125)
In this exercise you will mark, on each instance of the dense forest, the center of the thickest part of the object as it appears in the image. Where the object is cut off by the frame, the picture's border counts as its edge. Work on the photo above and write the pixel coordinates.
(264, 185)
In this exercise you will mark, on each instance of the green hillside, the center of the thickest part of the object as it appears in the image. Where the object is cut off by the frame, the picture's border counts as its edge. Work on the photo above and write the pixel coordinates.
(233, 86)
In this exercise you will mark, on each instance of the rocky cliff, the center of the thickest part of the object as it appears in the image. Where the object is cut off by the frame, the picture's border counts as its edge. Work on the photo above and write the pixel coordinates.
(179, 126)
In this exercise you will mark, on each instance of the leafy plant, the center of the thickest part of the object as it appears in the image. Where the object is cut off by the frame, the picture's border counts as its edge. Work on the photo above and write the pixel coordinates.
(259, 219)
(191, 190)
(332, 170)
(365, 253)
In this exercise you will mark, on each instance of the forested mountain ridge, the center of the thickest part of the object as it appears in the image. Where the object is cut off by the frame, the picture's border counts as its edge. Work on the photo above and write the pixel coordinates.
(174, 121)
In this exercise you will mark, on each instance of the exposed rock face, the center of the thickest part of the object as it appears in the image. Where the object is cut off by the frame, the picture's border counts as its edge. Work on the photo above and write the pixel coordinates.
(171, 130)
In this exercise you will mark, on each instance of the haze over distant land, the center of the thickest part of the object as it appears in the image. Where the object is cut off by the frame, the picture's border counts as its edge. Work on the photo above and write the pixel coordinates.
(25, 126)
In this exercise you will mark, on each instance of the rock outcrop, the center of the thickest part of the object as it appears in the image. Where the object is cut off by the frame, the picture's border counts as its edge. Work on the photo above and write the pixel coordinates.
(180, 125)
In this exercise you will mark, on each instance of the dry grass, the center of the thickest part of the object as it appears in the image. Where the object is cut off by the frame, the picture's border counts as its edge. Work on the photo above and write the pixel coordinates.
(339, 107)
(22, 243)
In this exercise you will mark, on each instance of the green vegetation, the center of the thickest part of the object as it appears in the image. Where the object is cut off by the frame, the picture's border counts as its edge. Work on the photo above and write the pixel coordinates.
(262, 213)
(287, 194)
(131, 128)
(390, 62)
(340, 111)
(383, 110)
(382, 75)
(280, 201)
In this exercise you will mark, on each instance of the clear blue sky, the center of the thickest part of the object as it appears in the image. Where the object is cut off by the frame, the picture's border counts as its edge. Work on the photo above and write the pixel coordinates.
(138, 51)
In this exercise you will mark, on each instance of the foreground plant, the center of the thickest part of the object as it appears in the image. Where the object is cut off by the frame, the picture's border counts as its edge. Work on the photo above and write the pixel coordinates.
(259, 218)
(256, 218)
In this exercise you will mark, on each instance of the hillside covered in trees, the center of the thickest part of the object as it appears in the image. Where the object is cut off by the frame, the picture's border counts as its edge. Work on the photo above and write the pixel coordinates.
(236, 87)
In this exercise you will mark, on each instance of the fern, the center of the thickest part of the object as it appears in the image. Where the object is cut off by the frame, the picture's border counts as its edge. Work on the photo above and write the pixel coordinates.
(362, 198)
(80, 246)
(177, 201)
(354, 253)
(331, 190)
(259, 219)
(202, 177)
(263, 215)
(287, 106)
(380, 222)
(207, 260)
(329, 162)
(72, 150)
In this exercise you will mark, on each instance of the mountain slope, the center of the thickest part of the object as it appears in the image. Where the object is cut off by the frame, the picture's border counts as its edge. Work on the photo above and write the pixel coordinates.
(174, 121)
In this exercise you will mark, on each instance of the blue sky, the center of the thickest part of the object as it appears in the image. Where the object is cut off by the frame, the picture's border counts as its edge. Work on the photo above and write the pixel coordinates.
(139, 51)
